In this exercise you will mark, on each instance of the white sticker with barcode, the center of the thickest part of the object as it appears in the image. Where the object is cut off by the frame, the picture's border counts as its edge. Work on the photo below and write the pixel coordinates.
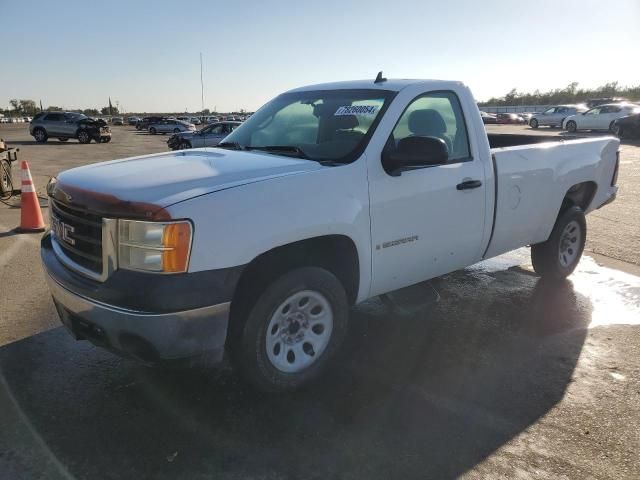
(356, 110)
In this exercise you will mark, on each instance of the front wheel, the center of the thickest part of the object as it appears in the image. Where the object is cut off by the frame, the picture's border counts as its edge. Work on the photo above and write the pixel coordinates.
(612, 127)
(153, 131)
(558, 257)
(176, 130)
(572, 127)
(184, 146)
(293, 329)
(533, 123)
(84, 137)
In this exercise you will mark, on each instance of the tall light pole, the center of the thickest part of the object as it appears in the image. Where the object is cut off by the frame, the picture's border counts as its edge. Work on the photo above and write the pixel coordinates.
(201, 86)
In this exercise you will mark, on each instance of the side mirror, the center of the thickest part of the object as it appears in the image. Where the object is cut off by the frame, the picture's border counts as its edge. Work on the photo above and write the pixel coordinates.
(415, 152)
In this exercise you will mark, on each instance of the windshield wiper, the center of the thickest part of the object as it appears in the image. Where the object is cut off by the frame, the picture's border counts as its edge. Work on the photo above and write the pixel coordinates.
(230, 145)
(285, 149)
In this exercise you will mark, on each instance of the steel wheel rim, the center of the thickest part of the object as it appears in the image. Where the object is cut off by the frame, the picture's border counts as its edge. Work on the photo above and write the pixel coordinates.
(39, 135)
(82, 136)
(299, 331)
(570, 244)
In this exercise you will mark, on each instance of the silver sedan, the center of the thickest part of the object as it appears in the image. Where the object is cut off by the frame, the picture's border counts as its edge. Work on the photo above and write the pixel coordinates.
(209, 136)
(170, 126)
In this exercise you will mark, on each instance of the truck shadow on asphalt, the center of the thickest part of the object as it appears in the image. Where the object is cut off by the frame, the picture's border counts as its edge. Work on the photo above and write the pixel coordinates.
(428, 391)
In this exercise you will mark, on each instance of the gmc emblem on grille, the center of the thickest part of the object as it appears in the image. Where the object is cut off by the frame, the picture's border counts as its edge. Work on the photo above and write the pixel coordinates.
(62, 231)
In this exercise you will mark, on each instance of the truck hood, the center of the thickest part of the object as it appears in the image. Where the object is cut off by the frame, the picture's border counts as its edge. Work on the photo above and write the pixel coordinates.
(142, 187)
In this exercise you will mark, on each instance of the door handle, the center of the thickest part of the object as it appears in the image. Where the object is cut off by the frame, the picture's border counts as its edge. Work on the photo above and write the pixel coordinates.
(469, 184)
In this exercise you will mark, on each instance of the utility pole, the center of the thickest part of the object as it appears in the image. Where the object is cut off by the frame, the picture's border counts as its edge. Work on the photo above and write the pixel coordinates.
(201, 86)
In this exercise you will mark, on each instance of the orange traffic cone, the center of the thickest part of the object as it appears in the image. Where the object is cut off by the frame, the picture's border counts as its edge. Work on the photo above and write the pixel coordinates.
(30, 213)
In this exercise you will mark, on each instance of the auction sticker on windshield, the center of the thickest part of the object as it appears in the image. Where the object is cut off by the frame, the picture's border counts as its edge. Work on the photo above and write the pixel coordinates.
(356, 110)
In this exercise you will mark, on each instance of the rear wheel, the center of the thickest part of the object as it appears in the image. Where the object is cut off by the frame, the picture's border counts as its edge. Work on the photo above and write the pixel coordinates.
(40, 135)
(153, 131)
(176, 130)
(184, 145)
(292, 330)
(618, 131)
(572, 127)
(558, 257)
(533, 123)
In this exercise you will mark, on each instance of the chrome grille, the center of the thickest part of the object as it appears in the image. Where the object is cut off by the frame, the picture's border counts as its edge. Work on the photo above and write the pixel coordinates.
(79, 235)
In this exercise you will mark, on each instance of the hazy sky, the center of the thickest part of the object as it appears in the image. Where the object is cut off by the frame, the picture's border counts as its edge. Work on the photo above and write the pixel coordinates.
(145, 54)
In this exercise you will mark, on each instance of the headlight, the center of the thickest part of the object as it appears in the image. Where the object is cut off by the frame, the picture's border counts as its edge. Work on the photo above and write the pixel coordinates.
(154, 246)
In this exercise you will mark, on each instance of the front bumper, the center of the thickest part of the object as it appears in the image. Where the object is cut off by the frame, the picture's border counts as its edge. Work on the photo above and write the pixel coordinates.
(150, 335)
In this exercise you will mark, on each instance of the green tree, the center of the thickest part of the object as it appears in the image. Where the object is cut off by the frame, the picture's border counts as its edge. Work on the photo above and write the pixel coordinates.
(90, 112)
(15, 103)
(28, 107)
(105, 110)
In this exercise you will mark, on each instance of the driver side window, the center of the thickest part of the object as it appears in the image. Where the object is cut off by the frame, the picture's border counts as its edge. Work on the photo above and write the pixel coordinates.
(435, 114)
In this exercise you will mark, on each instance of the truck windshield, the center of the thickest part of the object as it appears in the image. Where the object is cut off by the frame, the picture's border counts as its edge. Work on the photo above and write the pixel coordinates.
(327, 125)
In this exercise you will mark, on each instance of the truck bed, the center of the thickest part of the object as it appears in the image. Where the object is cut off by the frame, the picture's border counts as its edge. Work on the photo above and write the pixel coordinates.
(502, 140)
(534, 175)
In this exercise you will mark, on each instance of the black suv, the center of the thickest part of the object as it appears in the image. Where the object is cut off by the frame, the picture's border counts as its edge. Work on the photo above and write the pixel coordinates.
(66, 125)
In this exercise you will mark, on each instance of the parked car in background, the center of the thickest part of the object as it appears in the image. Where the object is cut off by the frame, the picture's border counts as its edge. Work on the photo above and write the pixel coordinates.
(595, 102)
(169, 126)
(488, 118)
(195, 120)
(627, 127)
(510, 118)
(602, 117)
(66, 125)
(144, 123)
(183, 119)
(526, 116)
(554, 116)
(117, 121)
(209, 136)
(133, 120)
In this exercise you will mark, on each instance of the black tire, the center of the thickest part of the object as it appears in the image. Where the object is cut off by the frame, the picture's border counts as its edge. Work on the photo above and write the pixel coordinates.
(547, 256)
(63, 139)
(152, 131)
(619, 131)
(612, 127)
(176, 130)
(40, 134)
(106, 139)
(248, 339)
(572, 126)
(533, 123)
(84, 137)
(6, 179)
(184, 145)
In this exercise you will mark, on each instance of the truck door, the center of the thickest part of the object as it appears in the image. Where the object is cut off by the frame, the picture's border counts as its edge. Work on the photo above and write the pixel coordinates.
(427, 221)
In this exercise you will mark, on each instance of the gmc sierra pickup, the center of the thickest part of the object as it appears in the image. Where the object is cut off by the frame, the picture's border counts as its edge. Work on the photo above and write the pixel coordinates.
(327, 196)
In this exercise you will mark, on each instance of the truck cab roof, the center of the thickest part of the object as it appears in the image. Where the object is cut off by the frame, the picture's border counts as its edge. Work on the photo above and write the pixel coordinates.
(389, 85)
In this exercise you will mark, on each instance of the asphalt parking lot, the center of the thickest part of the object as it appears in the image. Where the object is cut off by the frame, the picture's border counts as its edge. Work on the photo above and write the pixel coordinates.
(484, 373)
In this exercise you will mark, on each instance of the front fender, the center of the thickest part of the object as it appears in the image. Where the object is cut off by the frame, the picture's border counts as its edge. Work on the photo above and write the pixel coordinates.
(234, 226)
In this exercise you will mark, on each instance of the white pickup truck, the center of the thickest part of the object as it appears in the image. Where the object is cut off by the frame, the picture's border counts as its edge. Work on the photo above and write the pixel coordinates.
(327, 196)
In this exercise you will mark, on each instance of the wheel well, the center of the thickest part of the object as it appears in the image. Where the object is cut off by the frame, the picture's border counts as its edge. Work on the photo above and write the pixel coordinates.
(335, 253)
(581, 195)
